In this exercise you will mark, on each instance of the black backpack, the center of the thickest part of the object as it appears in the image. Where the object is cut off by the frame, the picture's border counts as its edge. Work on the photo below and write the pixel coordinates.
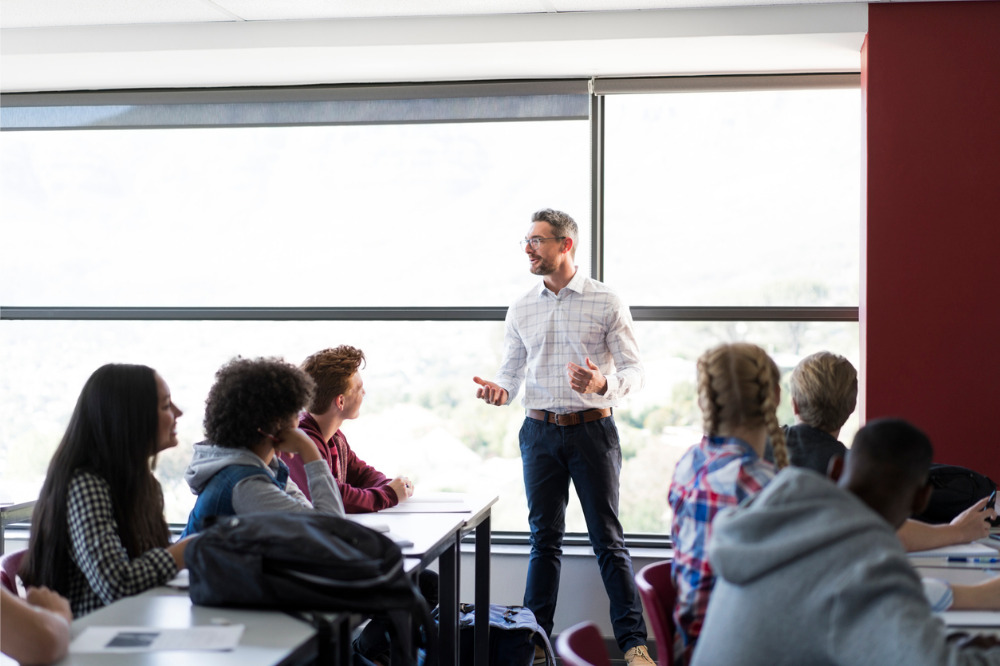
(309, 562)
(955, 489)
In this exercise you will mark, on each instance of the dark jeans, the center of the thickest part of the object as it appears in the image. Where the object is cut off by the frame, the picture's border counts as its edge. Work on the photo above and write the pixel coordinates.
(590, 455)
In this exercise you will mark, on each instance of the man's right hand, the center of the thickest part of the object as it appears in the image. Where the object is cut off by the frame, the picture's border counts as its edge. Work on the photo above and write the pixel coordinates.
(491, 392)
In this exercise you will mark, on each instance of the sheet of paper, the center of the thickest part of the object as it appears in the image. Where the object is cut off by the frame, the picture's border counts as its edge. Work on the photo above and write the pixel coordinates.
(152, 639)
(971, 618)
(973, 549)
(432, 503)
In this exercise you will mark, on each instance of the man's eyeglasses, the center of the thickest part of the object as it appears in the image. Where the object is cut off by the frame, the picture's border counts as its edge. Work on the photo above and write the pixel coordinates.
(538, 240)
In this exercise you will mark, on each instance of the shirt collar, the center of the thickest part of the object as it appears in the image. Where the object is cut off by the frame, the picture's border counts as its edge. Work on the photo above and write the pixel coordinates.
(577, 284)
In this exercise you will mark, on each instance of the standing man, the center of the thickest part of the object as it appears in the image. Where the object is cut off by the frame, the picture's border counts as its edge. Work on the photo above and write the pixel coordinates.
(339, 394)
(570, 341)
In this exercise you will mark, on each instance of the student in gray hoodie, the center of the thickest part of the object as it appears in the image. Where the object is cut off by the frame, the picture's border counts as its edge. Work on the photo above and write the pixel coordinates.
(811, 572)
(252, 412)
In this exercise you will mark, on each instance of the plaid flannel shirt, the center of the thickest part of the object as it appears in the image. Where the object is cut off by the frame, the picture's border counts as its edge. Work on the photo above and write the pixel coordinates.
(718, 472)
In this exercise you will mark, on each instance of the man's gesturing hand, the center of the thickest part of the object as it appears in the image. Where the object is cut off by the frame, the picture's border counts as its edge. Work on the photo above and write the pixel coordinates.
(588, 379)
(492, 393)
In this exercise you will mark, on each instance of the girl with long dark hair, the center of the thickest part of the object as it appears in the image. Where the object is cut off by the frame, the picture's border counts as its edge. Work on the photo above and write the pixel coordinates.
(98, 531)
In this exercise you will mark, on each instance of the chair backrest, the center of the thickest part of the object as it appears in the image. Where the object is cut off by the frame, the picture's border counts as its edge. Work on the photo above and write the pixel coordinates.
(656, 587)
(582, 645)
(9, 565)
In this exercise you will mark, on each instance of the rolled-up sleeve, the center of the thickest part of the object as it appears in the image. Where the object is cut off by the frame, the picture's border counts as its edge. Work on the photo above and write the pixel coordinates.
(515, 358)
(629, 374)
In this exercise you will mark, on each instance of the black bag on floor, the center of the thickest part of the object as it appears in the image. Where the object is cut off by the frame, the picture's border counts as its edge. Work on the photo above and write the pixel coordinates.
(308, 562)
(955, 489)
(514, 633)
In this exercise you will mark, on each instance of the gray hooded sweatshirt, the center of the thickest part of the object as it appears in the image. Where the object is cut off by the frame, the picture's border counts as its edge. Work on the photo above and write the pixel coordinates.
(807, 574)
(257, 493)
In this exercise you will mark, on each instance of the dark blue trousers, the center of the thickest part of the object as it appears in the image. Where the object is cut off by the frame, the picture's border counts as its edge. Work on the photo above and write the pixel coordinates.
(589, 454)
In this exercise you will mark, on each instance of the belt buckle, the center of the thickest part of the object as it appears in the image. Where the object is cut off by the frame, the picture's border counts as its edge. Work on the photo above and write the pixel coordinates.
(570, 419)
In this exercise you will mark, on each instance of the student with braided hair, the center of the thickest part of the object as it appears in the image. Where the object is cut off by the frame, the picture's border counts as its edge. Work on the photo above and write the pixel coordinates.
(738, 393)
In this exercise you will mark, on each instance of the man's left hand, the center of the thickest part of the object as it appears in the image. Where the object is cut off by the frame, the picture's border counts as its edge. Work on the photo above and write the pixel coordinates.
(588, 379)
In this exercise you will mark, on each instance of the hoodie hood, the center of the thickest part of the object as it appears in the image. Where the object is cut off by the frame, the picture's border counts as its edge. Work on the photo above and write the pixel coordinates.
(798, 513)
(209, 458)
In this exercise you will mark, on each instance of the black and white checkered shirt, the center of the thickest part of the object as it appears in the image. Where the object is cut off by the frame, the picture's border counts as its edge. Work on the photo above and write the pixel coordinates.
(102, 570)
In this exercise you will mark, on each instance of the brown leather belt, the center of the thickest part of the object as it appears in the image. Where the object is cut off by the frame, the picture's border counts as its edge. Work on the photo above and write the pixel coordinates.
(573, 418)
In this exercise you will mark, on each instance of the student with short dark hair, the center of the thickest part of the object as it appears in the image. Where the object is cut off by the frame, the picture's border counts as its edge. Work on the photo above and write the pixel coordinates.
(811, 572)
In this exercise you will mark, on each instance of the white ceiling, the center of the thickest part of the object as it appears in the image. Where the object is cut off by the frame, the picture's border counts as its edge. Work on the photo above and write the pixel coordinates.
(97, 44)
(52, 13)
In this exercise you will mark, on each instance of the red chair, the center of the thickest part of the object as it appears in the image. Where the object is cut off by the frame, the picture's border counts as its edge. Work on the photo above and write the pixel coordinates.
(9, 564)
(656, 587)
(582, 645)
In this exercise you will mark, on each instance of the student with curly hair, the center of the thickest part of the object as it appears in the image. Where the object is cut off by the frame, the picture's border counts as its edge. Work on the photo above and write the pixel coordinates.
(738, 393)
(251, 413)
(98, 531)
(338, 397)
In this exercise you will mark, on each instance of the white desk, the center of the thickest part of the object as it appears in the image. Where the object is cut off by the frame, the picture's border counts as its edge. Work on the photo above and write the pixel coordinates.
(270, 637)
(964, 573)
(436, 537)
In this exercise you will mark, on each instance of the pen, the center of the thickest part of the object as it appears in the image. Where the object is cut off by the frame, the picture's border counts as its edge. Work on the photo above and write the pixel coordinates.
(976, 560)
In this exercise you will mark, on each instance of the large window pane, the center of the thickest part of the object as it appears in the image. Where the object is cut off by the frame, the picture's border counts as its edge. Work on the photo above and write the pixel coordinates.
(734, 198)
(663, 420)
(376, 215)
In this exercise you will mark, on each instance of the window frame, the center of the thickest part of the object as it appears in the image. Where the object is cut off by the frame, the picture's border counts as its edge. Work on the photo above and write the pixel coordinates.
(51, 110)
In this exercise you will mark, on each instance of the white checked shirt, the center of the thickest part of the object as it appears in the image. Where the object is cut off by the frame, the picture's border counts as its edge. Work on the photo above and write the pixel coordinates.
(545, 331)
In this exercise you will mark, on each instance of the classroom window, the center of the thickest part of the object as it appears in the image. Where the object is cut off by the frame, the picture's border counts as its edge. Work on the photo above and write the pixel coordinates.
(180, 235)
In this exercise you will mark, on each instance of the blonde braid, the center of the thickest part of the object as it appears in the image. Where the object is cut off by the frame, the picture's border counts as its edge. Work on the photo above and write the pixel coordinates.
(736, 387)
(768, 377)
(718, 389)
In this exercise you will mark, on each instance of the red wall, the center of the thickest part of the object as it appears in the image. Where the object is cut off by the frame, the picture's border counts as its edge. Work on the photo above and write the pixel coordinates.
(930, 301)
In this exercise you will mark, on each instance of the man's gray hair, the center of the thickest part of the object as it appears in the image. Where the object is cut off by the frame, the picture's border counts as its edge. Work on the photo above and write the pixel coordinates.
(561, 223)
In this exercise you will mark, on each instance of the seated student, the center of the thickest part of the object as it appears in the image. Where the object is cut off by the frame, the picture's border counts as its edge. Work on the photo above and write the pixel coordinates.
(98, 531)
(824, 390)
(738, 393)
(338, 397)
(251, 412)
(809, 572)
(34, 630)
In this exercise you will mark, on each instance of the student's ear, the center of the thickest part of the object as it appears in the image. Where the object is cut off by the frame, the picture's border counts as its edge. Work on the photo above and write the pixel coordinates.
(922, 498)
(795, 407)
(835, 468)
(339, 402)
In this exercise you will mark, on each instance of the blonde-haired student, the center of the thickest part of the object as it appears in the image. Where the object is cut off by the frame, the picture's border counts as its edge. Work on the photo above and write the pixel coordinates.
(738, 393)
(824, 388)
